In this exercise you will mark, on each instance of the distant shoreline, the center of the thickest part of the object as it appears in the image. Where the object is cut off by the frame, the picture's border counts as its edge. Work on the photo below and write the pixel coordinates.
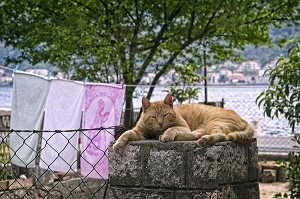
(209, 85)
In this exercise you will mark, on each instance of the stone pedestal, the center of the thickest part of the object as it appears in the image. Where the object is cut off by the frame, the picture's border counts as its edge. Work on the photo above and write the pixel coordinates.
(179, 170)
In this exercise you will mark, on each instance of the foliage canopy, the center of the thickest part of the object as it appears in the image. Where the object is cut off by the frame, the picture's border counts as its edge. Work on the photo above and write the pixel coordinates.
(129, 38)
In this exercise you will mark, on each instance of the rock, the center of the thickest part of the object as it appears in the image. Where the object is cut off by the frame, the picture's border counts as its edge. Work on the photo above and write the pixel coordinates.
(268, 175)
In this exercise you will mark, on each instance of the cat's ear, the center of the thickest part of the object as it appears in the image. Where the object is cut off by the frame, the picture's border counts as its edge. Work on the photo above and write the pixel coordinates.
(145, 103)
(168, 100)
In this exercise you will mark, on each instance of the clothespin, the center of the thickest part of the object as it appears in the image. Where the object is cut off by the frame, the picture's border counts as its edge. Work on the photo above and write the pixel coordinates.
(49, 75)
(85, 81)
(16, 69)
(123, 83)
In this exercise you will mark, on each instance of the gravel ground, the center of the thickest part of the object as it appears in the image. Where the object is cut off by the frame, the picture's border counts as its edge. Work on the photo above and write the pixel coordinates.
(267, 190)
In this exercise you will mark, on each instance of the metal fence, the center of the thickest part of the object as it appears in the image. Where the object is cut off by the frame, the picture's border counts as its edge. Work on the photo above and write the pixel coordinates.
(36, 182)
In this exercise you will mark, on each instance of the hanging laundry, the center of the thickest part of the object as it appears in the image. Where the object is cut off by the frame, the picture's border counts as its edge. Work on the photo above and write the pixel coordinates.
(62, 112)
(102, 108)
(27, 109)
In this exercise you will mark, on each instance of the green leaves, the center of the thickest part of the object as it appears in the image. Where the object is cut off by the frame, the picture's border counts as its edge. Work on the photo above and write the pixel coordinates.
(283, 93)
(182, 86)
(112, 39)
(130, 37)
(292, 166)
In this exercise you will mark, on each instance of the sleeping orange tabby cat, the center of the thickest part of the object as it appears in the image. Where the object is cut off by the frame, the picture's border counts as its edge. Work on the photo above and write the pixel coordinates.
(207, 124)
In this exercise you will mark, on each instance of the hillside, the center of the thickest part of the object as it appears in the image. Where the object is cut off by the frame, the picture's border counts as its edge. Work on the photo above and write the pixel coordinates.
(266, 54)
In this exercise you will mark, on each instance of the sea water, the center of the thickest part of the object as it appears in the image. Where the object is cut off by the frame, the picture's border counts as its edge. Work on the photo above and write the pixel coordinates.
(239, 98)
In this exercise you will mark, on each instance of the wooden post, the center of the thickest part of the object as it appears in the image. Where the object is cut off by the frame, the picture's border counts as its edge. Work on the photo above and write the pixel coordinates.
(205, 77)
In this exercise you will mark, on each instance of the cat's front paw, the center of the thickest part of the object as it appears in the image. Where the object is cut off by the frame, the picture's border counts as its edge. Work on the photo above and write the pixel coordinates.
(168, 136)
(118, 145)
(204, 141)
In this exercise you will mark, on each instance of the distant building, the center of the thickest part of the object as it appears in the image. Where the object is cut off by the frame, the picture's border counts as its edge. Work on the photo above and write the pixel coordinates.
(1, 72)
(229, 64)
(225, 72)
(252, 77)
(43, 72)
(213, 78)
(6, 79)
(237, 77)
(250, 66)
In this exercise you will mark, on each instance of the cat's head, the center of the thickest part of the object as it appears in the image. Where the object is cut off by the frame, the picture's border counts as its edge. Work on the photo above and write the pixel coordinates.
(158, 116)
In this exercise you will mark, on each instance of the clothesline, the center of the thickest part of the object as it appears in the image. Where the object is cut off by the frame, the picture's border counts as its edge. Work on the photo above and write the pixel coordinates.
(59, 131)
(6, 68)
(127, 85)
(145, 85)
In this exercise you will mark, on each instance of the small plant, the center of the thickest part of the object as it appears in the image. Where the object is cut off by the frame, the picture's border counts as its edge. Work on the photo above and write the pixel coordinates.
(183, 85)
(293, 167)
(4, 153)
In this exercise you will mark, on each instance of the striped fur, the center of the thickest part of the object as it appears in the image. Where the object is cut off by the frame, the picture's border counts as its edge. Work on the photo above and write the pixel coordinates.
(207, 124)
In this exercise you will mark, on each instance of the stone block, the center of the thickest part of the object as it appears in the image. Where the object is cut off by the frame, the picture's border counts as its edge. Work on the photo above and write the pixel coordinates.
(197, 194)
(125, 167)
(134, 193)
(3, 184)
(253, 167)
(233, 163)
(165, 168)
(152, 169)
(202, 167)
(20, 183)
(268, 175)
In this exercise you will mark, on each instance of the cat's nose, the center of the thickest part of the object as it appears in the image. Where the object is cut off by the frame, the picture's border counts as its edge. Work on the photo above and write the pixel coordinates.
(160, 124)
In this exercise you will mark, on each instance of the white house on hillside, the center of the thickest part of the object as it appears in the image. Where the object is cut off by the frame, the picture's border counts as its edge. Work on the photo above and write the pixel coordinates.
(250, 66)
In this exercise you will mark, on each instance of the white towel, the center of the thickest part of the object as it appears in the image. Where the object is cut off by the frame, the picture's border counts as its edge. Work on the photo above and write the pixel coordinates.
(62, 112)
(28, 102)
(102, 108)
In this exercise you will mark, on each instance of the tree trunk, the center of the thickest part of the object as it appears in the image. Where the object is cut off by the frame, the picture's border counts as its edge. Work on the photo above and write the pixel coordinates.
(128, 115)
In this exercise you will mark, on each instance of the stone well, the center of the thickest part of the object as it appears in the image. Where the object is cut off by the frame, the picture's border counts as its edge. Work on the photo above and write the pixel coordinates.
(183, 170)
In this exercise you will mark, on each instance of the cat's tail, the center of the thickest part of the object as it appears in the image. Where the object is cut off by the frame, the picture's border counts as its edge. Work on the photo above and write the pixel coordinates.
(241, 136)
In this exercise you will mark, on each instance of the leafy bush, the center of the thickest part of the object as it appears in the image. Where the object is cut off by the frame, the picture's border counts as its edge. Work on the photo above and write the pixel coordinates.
(283, 97)
(283, 93)
(293, 168)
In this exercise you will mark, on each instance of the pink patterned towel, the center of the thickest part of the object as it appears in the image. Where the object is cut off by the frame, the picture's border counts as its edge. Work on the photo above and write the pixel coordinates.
(102, 108)
(62, 112)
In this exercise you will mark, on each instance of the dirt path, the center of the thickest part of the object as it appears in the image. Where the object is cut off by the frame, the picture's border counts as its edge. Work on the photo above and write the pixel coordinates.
(267, 190)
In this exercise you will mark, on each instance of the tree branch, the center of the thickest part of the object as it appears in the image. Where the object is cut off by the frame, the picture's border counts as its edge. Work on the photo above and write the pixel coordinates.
(86, 7)
(157, 42)
(190, 30)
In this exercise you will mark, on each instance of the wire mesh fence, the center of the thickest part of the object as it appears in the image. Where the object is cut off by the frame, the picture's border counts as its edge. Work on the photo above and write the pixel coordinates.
(38, 182)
